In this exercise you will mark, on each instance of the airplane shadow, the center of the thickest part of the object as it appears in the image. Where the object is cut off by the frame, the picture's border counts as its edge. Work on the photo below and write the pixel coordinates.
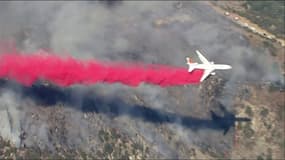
(114, 107)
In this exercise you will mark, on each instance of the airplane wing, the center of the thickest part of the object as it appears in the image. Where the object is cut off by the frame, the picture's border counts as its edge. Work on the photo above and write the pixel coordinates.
(206, 74)
(202, 58)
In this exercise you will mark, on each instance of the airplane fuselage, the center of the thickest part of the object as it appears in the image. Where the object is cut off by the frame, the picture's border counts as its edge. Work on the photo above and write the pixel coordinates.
(212, 66)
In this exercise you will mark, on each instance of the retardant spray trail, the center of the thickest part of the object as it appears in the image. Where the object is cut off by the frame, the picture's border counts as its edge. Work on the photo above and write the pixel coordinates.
(28, 68)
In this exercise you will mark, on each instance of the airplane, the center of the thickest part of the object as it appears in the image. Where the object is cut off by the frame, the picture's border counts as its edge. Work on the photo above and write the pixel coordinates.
(207, 66)
(227, 121)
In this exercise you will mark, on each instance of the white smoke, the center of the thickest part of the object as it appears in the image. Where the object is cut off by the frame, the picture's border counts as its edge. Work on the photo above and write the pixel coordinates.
(10, 117)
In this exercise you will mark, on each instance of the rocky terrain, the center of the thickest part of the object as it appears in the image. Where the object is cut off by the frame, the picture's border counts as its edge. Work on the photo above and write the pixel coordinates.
(146, 122)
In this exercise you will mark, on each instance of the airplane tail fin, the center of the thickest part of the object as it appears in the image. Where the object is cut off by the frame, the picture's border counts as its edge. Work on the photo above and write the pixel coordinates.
(226, 130)
(214, 115)
(189, 62)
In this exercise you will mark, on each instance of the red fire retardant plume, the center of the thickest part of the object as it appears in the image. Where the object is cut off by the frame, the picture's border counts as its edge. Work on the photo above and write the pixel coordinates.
(28, 68)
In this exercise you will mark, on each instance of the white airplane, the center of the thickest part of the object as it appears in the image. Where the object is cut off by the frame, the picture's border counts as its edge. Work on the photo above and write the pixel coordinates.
(207, 66)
